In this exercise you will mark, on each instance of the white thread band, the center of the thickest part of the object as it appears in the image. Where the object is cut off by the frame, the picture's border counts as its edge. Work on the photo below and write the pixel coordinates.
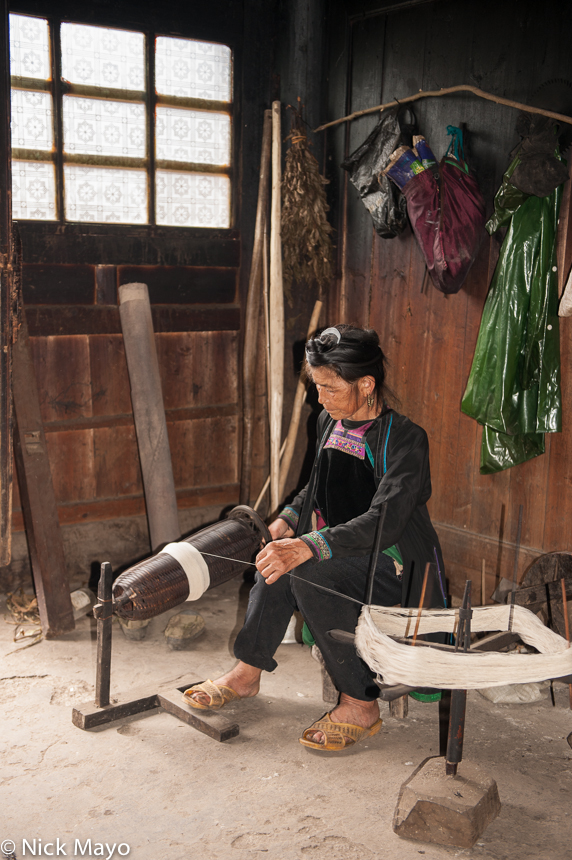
(193, 564)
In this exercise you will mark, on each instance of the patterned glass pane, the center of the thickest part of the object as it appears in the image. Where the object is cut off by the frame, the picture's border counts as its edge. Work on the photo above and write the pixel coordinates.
(99, 127)
(197, 70)
(192, 199)
(33, 191)
(106, 195)
(31, 124)
(192, 135)
(29, 47)
(103, 58)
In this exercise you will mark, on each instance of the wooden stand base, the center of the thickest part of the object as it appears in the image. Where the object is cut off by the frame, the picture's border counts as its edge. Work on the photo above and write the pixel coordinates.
(89, 716)
(105, 710)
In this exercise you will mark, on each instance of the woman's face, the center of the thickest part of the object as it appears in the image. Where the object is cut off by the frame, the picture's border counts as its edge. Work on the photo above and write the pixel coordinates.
(339, 398)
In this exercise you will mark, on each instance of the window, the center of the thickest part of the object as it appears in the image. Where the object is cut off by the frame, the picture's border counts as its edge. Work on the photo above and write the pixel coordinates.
(107, 128)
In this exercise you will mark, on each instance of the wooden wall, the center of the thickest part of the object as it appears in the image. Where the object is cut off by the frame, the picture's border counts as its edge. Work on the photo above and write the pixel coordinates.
(380, 51)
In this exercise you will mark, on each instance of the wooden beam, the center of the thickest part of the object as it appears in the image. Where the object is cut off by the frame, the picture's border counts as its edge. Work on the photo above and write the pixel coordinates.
(38, 499)
(53, 320)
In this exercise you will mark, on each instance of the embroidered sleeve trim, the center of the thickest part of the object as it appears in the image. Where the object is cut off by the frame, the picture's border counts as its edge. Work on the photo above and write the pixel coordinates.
(290, 516)
(318, 544)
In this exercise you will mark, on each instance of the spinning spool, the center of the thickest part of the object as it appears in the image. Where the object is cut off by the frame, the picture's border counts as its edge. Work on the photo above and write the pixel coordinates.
(180, 571)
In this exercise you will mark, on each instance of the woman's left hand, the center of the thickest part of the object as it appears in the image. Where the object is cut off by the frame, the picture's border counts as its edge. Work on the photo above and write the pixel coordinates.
(281, 556)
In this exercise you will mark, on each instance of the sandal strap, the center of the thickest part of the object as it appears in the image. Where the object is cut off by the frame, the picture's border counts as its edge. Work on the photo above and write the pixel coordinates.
(340, 735)
(217, 695)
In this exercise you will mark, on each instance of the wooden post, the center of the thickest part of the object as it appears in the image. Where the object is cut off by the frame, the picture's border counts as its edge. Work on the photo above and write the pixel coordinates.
(296, 410)
(38, 498)
(276, 312)
(249, 365)
(104, 621)
(6, 294)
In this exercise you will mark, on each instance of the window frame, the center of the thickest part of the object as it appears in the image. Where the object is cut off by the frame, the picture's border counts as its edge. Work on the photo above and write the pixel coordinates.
(58, 88)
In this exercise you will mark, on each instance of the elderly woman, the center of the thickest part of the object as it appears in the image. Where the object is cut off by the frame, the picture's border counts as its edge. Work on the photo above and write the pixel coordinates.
(367, 456)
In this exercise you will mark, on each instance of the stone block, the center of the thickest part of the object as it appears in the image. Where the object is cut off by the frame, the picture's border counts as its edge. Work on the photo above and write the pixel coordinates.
(446, 810)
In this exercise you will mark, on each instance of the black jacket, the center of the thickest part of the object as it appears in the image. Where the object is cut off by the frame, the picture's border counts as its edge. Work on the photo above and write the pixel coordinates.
(401, 468)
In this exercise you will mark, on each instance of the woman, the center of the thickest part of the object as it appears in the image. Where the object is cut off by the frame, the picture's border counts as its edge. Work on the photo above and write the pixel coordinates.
(367, 456)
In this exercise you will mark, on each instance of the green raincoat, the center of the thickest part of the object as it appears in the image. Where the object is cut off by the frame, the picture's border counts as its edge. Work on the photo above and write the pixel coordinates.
(514, 384)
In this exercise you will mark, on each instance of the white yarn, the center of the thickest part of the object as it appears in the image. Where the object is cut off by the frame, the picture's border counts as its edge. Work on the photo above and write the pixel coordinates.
(193, 564)
(422, 666)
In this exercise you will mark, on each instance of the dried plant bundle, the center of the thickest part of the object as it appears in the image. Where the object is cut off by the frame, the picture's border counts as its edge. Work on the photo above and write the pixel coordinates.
(307, 248)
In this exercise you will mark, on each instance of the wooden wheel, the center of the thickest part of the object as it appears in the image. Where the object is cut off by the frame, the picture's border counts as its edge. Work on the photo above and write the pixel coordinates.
(541, 591)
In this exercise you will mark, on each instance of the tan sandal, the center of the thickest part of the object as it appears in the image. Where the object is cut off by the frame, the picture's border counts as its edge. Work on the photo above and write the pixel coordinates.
(337, 736)
(219, 696)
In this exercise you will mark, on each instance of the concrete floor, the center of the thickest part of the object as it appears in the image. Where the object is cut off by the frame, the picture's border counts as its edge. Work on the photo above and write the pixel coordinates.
(167, 791)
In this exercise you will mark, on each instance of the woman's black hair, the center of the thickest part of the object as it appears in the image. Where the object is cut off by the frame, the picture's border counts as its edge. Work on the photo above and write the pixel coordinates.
(352, 353)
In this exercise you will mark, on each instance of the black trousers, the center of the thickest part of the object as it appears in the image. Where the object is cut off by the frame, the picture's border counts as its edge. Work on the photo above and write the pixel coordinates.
(270, 608)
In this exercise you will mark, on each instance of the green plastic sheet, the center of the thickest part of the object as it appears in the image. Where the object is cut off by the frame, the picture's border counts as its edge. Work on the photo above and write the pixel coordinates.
(514, 384)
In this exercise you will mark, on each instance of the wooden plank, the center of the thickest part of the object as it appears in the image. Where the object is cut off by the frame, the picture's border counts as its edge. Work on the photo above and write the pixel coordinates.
(44, 320)
(116, 463)
(109, 378)
(106, 285)
(181, 285)
(89, 716)
(71, 456)
(97, 245)
(38, 498)
(58, 285)
(62, 367)
(209, 723)
(94, 422)
(131, 506)
(198, 368)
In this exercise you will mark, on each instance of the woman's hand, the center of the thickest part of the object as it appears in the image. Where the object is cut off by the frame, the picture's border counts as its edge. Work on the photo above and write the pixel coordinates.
(280, 529)
(281, 556)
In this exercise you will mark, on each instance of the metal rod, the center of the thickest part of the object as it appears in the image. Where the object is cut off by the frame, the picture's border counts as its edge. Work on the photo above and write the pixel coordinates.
(515, 571)
(104, 620)
(375, 554)
(459, 697)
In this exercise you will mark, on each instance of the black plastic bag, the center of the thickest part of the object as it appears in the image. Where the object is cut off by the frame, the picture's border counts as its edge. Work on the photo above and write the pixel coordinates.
(383, 200)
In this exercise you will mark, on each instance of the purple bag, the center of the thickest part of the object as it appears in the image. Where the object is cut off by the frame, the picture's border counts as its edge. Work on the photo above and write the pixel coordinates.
(447, 214)
(445, 207)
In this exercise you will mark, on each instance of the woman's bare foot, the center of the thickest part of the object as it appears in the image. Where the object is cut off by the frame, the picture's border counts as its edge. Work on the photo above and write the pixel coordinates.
(350, 710)
(243, 679)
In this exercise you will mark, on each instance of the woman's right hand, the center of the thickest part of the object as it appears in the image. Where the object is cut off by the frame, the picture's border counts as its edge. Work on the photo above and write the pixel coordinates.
(280, 529)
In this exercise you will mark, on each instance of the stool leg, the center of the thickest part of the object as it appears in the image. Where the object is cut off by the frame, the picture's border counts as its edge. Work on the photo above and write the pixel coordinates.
(399, 708)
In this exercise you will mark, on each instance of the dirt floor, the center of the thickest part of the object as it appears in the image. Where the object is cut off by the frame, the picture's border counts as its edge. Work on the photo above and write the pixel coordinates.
(167, 791)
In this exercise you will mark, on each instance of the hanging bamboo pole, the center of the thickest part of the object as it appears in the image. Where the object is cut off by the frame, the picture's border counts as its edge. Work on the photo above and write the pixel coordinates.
(276, 312)
(462, 88)
(249, 363)
(297, 409)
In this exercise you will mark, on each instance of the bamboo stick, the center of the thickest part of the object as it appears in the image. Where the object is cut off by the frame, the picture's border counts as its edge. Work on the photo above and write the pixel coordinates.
(249, 366)
(267, 482)
(297, 409)
(566, 626)
(445, 92)
(421, 602)
(276, 312)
